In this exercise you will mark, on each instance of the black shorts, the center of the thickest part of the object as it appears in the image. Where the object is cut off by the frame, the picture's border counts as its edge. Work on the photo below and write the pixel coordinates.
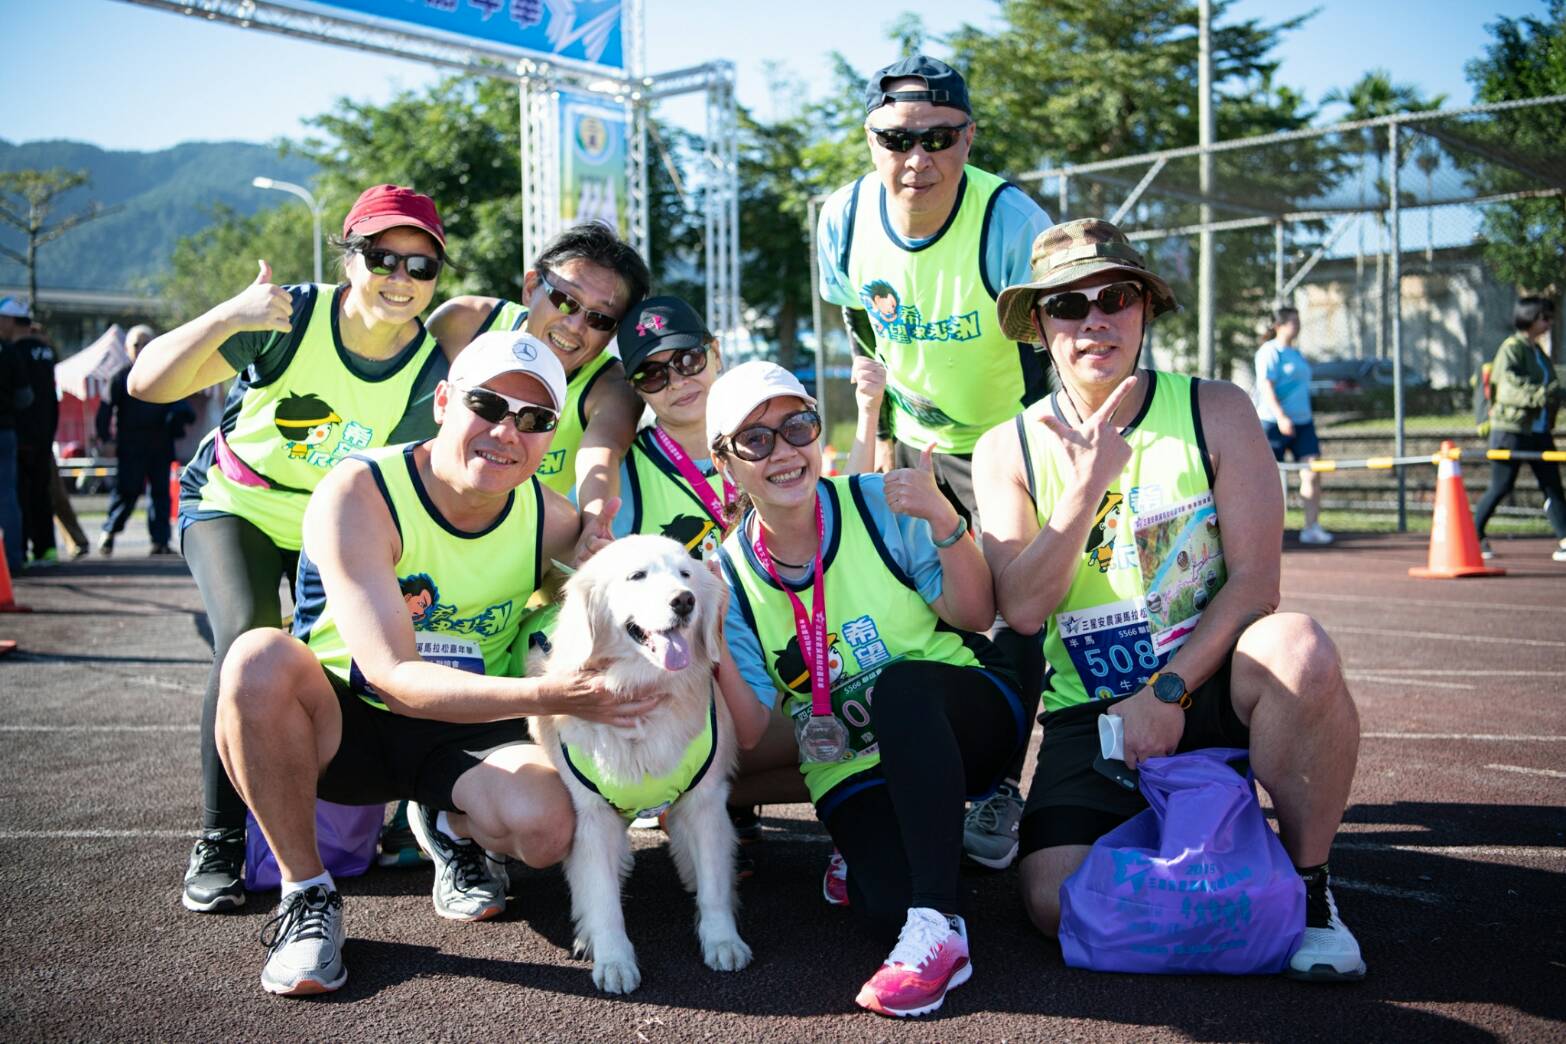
(391, 757)
(1071, 803)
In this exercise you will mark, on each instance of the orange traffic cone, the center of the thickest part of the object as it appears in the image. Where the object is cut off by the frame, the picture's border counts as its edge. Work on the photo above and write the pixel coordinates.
(1454, 544)
(7, 598)
(829, 458)
(174, 493)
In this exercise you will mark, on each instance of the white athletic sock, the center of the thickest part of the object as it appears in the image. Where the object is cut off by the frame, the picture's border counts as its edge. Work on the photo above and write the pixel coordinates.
(444, 826)
(290, 887)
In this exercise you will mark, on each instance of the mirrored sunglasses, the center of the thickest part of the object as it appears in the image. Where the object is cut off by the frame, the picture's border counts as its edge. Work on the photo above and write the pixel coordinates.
(568, 305)
(934, 139)
(758, 441)
(1074, 304)
(653, 375)
(382, 262)
(493, 407)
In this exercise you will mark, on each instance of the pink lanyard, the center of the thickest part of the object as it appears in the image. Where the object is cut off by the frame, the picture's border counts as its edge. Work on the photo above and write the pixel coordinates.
(812, 629)
(698, 482)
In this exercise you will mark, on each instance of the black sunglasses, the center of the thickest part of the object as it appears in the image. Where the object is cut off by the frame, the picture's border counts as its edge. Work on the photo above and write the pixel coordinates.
(494, 407)
(653, 375)
(1074, 304)
(422, 267)
(934, 139)
(568, 304)
(758, 441)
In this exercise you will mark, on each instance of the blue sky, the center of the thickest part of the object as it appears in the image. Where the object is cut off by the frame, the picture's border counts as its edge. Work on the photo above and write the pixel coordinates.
(160, 78)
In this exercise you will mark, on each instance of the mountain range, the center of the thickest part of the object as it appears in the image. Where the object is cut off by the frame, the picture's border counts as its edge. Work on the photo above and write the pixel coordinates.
(158, 197)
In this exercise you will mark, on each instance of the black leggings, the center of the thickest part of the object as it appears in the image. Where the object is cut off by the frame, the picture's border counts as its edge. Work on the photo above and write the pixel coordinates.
(1503, 476)
(946, 735)
(237, 569)
(1025, 653)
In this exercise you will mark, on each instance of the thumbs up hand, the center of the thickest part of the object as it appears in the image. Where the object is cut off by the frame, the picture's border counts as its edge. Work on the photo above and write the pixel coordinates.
(597, 532)
(261, 305)
(913, 492)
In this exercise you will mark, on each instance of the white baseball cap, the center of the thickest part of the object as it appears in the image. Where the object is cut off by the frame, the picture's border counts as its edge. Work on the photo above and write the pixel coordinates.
(15, 308)
(739, 391)
(489, 355)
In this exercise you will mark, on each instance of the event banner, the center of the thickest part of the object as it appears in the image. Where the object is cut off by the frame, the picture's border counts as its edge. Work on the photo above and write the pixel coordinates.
(593, 185)
(580, 30)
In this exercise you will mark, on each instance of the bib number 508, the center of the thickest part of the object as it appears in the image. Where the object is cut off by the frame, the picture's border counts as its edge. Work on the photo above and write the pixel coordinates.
(1120, 658)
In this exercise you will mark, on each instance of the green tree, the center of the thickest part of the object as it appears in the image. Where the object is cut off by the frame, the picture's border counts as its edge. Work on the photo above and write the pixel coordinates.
(217, 263)
(1524, 240)
(1075, 81)
(35, 193)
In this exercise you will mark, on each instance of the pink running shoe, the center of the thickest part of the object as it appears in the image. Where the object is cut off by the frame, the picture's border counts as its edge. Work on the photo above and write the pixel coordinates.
(834, 883)
(930, 958)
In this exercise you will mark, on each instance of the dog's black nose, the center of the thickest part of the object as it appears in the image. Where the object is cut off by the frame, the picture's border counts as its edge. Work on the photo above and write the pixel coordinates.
(683, 603)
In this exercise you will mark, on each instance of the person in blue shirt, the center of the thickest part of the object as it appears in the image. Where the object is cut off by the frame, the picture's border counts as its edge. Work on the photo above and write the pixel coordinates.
(1283, 403)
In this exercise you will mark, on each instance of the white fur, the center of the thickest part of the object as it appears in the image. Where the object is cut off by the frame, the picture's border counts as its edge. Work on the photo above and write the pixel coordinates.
(635, 581)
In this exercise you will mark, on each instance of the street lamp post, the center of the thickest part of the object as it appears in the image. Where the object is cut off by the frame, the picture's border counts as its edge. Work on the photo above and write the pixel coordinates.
(309, 201)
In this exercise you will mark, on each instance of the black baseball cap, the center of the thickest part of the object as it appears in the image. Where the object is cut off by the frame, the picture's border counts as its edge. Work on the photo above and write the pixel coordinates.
(943, 84)
(659, 324)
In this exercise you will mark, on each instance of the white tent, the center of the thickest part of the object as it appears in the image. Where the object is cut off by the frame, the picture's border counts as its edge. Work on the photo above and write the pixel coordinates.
(86, 374)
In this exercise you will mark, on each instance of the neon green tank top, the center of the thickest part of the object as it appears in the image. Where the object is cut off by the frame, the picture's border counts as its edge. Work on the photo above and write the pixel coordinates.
(951, 374)
(663, 503)
(464, 616)
(558, 468)
(1099, 643)
(875, 617)
(651, 796)
(506, 315)
(291, 430)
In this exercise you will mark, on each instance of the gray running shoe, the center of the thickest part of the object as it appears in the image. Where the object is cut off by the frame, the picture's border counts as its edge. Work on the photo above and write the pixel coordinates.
(989, 830)
(304, 945)
(215, 878)
(469, 885)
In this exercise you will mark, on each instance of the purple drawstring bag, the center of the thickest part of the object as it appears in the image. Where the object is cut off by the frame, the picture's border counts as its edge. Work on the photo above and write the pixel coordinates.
(346, 835)
(1196, 883)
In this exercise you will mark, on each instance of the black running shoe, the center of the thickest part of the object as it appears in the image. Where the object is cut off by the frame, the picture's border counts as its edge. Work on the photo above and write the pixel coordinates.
(215, 879)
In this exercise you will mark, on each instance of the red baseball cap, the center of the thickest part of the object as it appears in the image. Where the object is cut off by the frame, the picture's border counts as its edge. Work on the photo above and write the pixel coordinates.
(391, 206)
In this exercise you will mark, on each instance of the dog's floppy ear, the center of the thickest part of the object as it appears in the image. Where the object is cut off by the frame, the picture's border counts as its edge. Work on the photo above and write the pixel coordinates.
(574, 632)
(712, 597)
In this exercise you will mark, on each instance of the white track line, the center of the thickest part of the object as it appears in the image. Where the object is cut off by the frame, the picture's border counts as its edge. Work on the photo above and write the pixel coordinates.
(54, 835)
(1551, 773)
(1448, 670)
(1348, 884)
(1463, 736)
(99, 728)
(1394, 678)
(1504, 851)
(1454, 638)
(1433, 603)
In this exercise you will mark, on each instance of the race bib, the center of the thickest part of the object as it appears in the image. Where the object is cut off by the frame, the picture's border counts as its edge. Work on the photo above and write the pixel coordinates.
(1110, 646)
(463, 654)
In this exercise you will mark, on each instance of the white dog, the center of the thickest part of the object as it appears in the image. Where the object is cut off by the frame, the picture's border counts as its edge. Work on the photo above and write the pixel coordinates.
(646, 614)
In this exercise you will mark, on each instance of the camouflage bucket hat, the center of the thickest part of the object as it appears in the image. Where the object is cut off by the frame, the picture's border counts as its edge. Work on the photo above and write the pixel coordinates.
(1067, 252)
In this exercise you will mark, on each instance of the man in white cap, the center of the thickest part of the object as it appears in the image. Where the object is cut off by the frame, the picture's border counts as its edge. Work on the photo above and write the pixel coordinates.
(417, 563)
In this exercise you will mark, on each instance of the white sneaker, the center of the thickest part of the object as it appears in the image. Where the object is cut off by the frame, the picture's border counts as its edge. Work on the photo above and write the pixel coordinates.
(1315, 535)
(1485, 551)
(304, 942)
(1559, 554)
(469, 885)
(1328, 951)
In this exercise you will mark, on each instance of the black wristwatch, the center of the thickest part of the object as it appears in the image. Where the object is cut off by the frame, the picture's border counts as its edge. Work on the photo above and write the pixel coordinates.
(1169, 687)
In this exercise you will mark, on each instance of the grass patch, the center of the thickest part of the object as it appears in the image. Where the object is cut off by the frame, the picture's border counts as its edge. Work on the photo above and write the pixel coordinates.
(1344, 521)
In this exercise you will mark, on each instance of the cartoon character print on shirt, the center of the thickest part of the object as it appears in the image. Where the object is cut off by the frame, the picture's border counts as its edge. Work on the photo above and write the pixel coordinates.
(789, 664)
(1107, 522)
(307, 422)
(903, 323)
(700, 536)
(422, 597)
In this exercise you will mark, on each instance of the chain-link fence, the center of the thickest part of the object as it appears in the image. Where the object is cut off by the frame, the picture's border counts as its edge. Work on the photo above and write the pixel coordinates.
(1403, 241)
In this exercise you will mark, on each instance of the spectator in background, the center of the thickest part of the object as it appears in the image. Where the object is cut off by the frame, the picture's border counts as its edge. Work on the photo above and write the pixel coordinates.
(144, 448)
(15, 395)
(1283, 401)
(1525, 398)
(35, 447)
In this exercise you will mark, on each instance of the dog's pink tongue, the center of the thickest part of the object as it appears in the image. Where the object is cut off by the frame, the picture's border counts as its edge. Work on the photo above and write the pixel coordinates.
(671, 647)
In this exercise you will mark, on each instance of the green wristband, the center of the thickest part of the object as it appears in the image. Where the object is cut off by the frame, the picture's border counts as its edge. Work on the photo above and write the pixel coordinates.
(962, 527)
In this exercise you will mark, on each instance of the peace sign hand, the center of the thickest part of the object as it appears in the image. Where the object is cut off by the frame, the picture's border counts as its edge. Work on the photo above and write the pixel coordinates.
(1094, 449)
